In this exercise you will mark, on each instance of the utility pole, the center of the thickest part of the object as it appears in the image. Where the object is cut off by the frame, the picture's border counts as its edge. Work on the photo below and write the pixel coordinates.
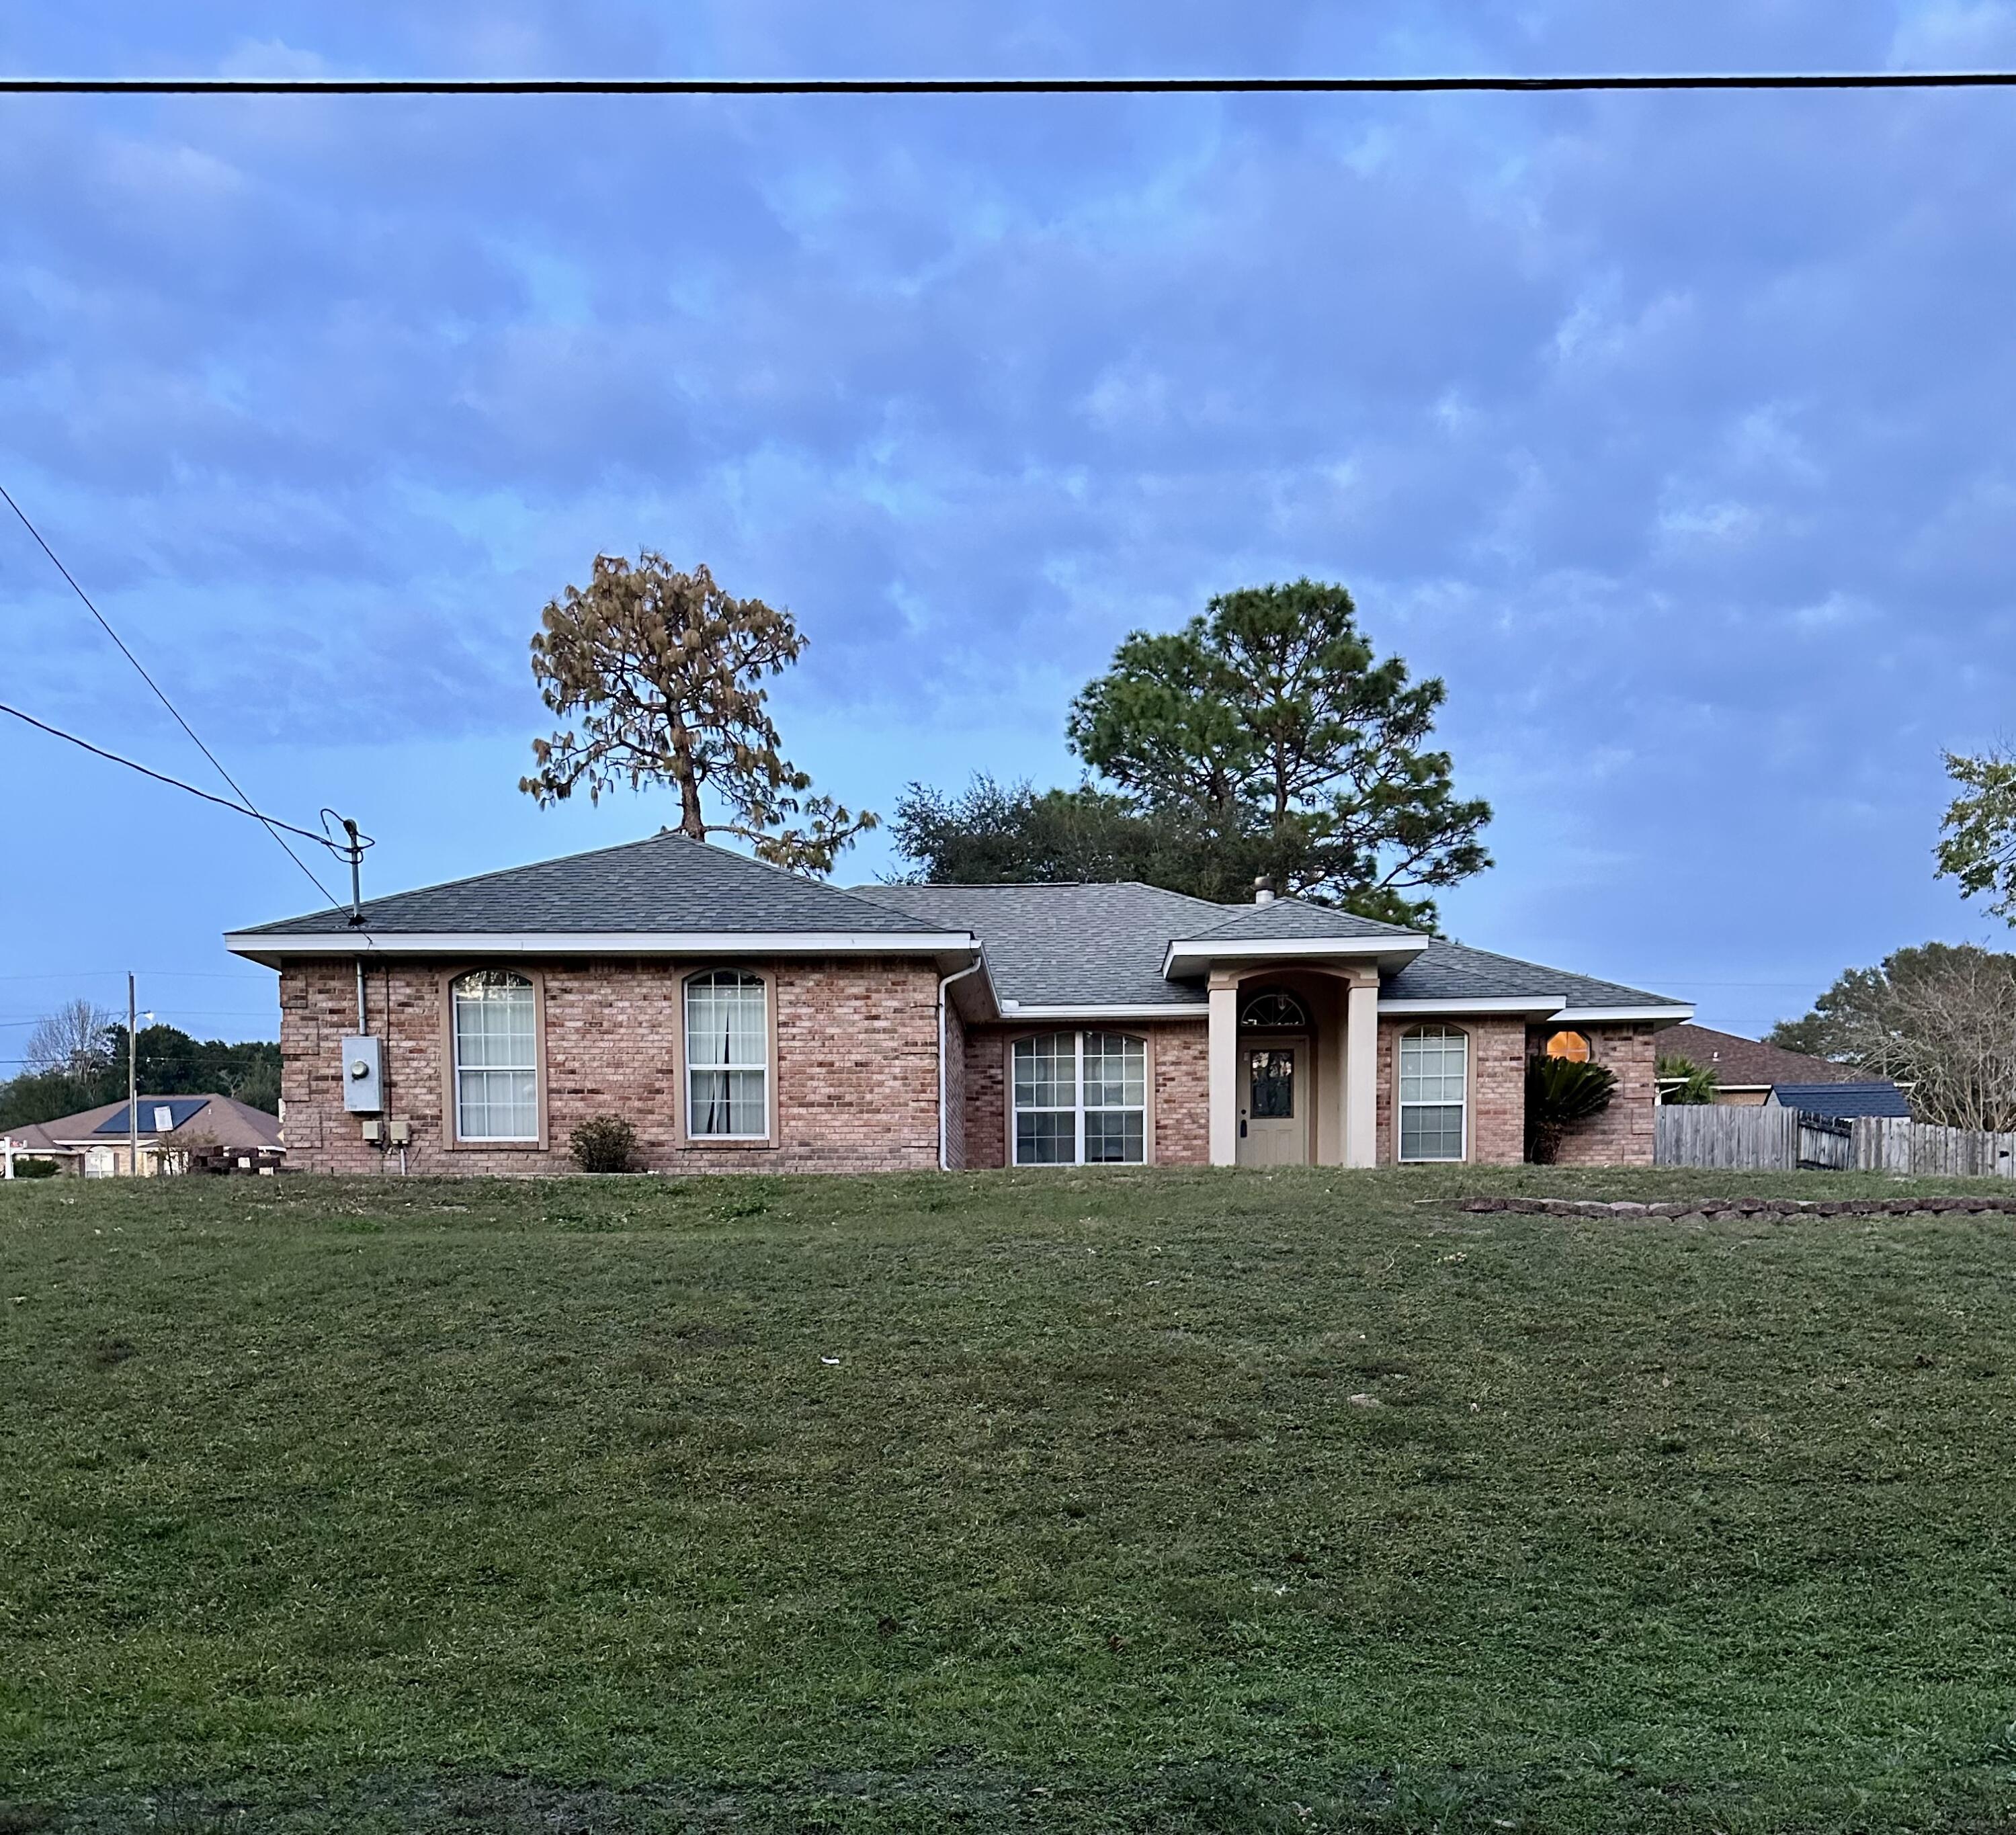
(132, 1079)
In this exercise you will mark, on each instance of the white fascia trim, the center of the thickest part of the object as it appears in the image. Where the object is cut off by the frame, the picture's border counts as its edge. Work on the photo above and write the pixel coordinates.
(1546, 1004)
(1206, 949)
(1597, 1015)
(256, 943)
(1166, 1010)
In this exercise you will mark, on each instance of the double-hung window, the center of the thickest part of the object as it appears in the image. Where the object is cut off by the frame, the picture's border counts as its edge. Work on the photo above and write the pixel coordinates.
(1435, 1093)
(728, 1056)
(1081, 1099)
(496, 1057)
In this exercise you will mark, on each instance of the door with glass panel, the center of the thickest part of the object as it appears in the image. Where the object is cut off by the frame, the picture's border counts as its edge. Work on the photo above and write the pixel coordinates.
(1273, 1105)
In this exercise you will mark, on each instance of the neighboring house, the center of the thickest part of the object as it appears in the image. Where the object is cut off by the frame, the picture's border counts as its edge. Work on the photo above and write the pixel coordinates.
(738, 1016)
(1842, 1102)
(97, 1144)
(1746, 1069)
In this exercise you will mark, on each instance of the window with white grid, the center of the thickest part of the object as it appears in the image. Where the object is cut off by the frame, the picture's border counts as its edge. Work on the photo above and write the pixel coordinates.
(1081, 1099)
(1435, 1093)
(728, 1056)
(496, 1057)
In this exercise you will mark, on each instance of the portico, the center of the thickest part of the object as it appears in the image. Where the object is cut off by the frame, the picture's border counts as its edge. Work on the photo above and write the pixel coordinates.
(1293, 1036)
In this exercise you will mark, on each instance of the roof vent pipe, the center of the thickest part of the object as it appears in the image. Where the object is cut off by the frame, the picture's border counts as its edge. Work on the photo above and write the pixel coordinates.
(1263, 890)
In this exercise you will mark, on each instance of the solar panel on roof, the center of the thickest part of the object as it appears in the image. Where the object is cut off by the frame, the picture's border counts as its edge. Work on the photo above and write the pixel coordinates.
(178, 1109)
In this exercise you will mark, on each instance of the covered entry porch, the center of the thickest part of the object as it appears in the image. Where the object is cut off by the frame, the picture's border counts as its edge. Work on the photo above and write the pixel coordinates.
(1292, 1040)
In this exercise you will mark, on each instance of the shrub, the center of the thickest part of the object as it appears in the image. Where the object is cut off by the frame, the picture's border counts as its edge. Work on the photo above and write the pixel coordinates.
(1561, 1094)
(34, 1168)
(603, 1143)
(1695, 1087)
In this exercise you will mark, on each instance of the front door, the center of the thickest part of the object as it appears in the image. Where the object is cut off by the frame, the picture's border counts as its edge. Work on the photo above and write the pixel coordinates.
(1273, 1106)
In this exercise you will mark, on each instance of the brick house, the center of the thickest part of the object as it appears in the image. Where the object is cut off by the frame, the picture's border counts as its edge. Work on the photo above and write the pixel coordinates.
(739, 1016)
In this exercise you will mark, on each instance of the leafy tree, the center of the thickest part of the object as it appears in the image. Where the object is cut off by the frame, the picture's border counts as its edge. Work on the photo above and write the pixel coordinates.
(1940, 1019)
(1693, 1086)
(1561, 1094)
(993, 833)
(664, 671)
(1979, 847)
(1270, 727)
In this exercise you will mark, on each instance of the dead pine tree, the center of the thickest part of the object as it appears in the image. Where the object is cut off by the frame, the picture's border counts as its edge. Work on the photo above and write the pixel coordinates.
(664, 672)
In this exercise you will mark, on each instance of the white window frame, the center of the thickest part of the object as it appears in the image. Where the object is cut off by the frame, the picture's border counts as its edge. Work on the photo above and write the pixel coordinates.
(1077, 1109)
(1401, 1106)
(743, 978)
(457, 1068)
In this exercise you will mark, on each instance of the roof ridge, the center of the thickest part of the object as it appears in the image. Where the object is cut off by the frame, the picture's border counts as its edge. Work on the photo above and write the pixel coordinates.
(494, 873)
(614, 862)
(1033, 886)
(1240, 912)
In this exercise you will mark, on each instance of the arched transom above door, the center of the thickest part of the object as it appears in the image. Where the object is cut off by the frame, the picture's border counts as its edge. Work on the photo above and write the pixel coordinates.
(1273, 1009)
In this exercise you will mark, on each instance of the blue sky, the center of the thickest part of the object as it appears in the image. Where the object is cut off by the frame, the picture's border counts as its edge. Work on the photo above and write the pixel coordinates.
(1672, 431)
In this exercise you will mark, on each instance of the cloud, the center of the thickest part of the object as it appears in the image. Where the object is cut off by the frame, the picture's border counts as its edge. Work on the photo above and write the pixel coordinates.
(1664, 427)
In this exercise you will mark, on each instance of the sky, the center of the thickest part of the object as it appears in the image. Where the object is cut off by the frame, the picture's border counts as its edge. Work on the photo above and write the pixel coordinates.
(1672, 432)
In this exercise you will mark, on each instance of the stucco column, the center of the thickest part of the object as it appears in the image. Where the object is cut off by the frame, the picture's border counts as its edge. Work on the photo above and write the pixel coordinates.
(1361, 1075)
(1222, 1055)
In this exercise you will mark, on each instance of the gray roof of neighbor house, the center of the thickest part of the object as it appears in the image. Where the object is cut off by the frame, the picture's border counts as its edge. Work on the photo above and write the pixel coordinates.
(1454, 971)
(1071, 945)
(1842, 1101)
(669, 883)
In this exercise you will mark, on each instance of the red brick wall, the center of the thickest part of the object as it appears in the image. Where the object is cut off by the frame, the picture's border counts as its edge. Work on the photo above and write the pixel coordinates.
(856, 1061)
(955, 1087)
(1497, 1088)
(1179, 1102)
(1621, 1135)
(985, 1074)
(1182, 1096)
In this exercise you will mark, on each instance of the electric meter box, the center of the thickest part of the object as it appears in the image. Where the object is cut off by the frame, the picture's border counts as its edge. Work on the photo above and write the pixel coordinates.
(363, 1075)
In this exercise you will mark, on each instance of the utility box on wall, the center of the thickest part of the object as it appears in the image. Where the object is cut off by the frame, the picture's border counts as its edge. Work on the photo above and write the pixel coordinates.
(363, 1075)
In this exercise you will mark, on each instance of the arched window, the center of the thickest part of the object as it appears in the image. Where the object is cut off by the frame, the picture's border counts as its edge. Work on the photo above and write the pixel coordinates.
(728, 1056)
(496, 1057)
(1435, 1093)
(1274, 1009)
(1081, 1098)
(1572, 1045)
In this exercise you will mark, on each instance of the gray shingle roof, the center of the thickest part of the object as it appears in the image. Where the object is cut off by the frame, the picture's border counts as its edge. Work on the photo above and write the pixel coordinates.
(1288, 919)
(1047, 945)
(1454, 971)
(1068, 945)
(668, 883)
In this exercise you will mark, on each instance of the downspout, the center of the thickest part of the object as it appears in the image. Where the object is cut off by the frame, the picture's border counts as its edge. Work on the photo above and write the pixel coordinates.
(945, 981)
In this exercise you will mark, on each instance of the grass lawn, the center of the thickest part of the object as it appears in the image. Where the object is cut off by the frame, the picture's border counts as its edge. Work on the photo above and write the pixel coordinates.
(1117, 1501)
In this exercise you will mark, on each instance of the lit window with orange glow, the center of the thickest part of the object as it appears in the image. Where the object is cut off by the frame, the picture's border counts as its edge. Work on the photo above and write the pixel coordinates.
(1571, 1046)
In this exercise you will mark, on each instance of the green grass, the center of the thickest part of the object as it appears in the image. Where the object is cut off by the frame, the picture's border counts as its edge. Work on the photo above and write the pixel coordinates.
(1114, 1501)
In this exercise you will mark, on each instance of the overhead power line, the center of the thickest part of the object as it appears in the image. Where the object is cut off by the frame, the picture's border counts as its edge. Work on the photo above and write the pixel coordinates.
(996, 85)
(176, 783)
(244, 805)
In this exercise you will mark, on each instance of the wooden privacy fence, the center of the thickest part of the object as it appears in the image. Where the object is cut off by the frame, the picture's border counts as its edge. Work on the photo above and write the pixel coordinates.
(1774, 1139)
(1745, 1139)
(1884, 1145)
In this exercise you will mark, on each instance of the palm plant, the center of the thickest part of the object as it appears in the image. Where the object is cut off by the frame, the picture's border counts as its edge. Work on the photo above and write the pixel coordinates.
(1561, 1094)
(1686, 1083)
